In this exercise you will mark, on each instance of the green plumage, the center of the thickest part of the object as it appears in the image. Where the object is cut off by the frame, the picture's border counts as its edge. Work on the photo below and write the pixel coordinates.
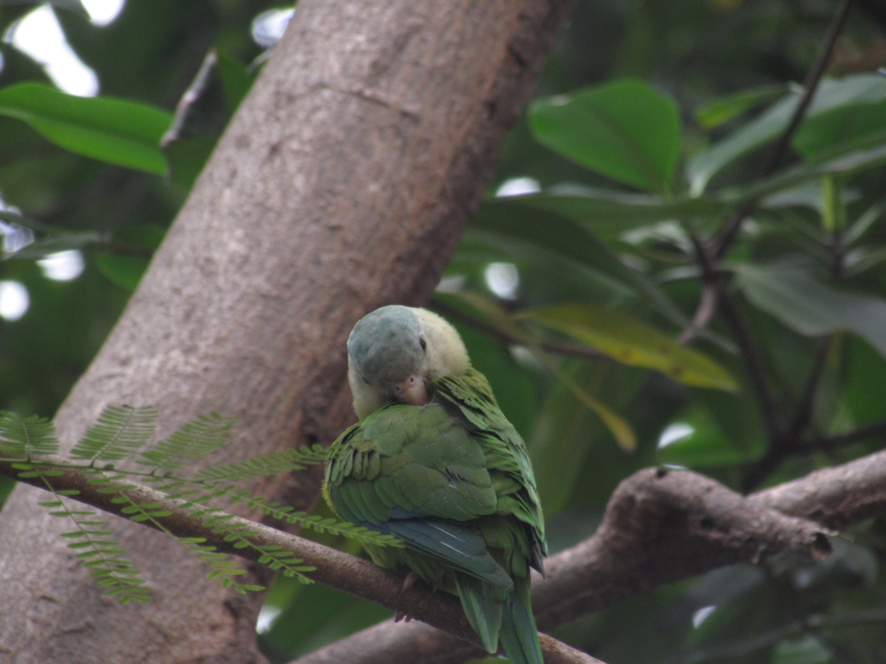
(452, 480)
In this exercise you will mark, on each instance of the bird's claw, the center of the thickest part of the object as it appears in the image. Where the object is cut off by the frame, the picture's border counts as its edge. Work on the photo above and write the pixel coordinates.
(408, 582)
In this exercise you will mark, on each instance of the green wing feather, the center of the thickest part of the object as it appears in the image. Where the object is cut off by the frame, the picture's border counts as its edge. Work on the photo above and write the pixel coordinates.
(453, 481)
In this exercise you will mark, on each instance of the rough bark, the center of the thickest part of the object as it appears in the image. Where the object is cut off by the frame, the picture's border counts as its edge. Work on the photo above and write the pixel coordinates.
(342, 183)
(660, 527)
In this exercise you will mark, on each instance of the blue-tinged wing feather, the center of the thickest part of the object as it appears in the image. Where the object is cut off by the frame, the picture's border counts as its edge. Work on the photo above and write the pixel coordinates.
(459, 547)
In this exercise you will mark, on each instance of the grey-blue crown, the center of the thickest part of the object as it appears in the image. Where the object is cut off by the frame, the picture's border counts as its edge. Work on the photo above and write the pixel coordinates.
(385, 346)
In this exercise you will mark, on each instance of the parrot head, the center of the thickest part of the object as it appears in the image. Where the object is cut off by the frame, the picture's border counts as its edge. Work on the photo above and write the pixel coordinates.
(395, 351)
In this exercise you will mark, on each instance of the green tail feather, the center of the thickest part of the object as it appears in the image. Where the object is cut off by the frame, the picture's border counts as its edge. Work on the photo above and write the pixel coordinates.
(494, 612)
(519, 635)
(482, 604)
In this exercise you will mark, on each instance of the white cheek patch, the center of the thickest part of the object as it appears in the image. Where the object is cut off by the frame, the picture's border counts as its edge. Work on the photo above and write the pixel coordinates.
(446, 351)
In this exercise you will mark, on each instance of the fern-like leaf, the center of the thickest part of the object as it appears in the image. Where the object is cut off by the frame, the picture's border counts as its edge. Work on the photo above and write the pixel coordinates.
(93, 543)
(119, 433)
(274, 463)
(194, 441)
(314, 522)
(26, 436)
(280, 560)
(222, 567)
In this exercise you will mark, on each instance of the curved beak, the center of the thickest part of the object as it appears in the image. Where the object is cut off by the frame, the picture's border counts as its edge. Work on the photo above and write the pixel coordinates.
(412, 391)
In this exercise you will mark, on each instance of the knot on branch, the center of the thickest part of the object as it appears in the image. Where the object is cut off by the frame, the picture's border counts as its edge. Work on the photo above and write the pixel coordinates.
(676, 523)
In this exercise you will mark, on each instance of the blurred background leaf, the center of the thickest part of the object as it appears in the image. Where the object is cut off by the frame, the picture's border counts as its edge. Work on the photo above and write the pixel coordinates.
(648, 128)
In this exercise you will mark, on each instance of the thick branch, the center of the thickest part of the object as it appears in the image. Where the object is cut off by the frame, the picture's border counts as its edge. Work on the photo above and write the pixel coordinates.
(659, 528)
(338, 570)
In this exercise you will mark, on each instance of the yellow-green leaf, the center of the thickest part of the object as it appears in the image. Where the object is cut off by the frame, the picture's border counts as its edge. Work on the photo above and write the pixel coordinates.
(630, 341)
(618, 427)
(507, 323)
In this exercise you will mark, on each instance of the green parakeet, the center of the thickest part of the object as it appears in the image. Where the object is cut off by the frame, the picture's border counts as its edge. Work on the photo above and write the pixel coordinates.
(434, 462)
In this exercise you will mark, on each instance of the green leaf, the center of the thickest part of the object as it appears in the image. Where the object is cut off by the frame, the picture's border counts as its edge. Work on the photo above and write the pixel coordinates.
(843, 128)
(119, 432)
(505, 222)
(617, 426)
(27, 436)
(624, 130)
(794, 296)
(194, 441)
(630, 341)
(831, 94)
(722, 110)
(120, 132)
(273, 463)
(847, 164)
(599, 206)
(56, 243)
(123, 271)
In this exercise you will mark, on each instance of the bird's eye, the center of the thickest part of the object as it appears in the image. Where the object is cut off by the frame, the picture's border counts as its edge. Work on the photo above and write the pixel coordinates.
(423, 344)
(364, 379)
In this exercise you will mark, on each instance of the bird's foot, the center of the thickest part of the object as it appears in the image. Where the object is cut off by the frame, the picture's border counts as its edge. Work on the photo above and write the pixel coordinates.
(437, 583)
(408, 582)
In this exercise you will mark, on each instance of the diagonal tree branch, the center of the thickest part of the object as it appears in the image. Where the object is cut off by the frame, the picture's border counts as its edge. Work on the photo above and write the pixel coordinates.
(338, 570)
(660, 526)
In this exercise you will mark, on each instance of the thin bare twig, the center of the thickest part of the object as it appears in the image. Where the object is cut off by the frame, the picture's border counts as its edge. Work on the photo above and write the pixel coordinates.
(756, 362)
(806, 404)
(849, 437)
(795, 444)
(716, 293)
(730, 230)
(707, 306)
(707, 303)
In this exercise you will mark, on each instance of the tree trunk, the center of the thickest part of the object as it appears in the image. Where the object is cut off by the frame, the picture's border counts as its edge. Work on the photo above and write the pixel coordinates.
(343, 183)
